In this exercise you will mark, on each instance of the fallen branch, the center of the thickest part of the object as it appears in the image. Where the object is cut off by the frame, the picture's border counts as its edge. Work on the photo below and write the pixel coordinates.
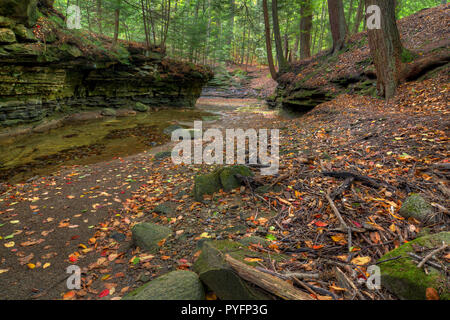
(266, 281)
(432, 253)
(370, 182)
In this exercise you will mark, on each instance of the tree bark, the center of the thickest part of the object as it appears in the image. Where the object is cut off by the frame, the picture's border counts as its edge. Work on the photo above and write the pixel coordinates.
(305, 29)
(282, 62)
(359, 17)
(273, 72)
(337, 24)
(386, 49)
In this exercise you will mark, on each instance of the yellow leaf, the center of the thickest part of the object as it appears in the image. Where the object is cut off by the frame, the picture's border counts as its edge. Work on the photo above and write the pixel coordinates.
(46, 265)
(3, 270)
(338, 238)
(392, 227)
(252, 259)
(361, 261)
(205, 235)
(9, 244)
(31, 265)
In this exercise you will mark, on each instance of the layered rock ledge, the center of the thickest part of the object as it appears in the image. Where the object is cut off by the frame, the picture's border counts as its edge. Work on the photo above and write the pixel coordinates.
(47, 69)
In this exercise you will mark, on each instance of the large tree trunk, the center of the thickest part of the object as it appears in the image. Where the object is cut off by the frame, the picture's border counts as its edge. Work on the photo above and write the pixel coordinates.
(273, 72)
(282, 62)
(337, 24)
(386, 49)
(305, 29)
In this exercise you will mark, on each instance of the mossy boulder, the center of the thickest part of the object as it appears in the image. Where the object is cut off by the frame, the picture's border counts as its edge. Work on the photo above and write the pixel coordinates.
(140, 107)
(416, 207)
(175, 285)
(7, 36)
(148, 235)
(228, 178)
(405, 280)
(218, 276)
(207, 184)
(221, 178)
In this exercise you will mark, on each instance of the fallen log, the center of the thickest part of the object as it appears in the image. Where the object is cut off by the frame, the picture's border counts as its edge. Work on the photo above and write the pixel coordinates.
(272, 284)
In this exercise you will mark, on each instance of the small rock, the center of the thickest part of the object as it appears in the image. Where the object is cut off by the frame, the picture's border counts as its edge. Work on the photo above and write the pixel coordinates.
(416, 207)
(119, 237)
(108, 112)
(139, 106)
(147, 236)
(163, 208)
(162, 155)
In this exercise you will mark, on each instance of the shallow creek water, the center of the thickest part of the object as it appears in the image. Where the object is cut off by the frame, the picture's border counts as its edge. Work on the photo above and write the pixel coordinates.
(82, 143)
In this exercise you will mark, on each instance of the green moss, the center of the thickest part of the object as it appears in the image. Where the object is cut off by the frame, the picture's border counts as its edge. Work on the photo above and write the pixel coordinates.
(228, 179)
(407, 56)
(403, 278)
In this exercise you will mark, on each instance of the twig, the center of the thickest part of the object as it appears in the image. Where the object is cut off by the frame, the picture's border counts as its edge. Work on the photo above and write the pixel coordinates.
(432, 253)
(336, 212)
(432, 264)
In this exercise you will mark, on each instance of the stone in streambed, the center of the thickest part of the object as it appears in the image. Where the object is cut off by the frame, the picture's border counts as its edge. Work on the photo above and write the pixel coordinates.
(147, 235)
(139, 106)
(405, 280)
(175, 285)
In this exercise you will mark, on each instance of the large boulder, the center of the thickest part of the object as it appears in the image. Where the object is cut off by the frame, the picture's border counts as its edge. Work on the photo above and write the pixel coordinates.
(218, 276)
(415, 207)
(148, 235)
(175, 285)
(402, 276)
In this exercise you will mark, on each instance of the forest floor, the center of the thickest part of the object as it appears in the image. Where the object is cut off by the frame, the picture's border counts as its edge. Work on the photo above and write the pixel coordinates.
(83, 215)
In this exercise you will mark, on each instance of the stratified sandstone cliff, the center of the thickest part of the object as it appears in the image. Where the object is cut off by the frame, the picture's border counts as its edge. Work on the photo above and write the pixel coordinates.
(46, 69)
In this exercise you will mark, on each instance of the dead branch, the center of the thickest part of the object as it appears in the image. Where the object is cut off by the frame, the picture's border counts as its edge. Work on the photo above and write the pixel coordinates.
(266, 281)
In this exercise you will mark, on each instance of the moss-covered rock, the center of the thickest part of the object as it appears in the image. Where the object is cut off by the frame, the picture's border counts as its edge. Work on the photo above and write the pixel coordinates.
(24, 34)
(218, 276)
(405, 280)
(108, 112)
(247, 241)
(416, 207)
(163, 155)
(7, 22)
(7, 36)
(175, 285)
(163, 209)
(221, 178)
(228, 179)
(147, 235)
(207, 184)
(140, 107)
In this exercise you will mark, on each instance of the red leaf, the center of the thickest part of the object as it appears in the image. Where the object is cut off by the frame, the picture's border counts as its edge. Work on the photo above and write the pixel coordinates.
(104, 293)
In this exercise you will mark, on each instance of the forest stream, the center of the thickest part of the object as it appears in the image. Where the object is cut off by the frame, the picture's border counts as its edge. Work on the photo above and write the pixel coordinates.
(26, 157)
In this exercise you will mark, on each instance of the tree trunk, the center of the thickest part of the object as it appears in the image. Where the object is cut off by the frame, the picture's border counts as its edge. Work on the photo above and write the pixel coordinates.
(116, 23)
(359, 17)
(386, 49)
(283, 65)
(337, 24)
(99, 16)
(273, 72)
(305, 29)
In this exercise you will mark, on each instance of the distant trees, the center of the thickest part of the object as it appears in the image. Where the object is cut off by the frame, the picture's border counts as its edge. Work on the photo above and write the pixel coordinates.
(273, 72)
